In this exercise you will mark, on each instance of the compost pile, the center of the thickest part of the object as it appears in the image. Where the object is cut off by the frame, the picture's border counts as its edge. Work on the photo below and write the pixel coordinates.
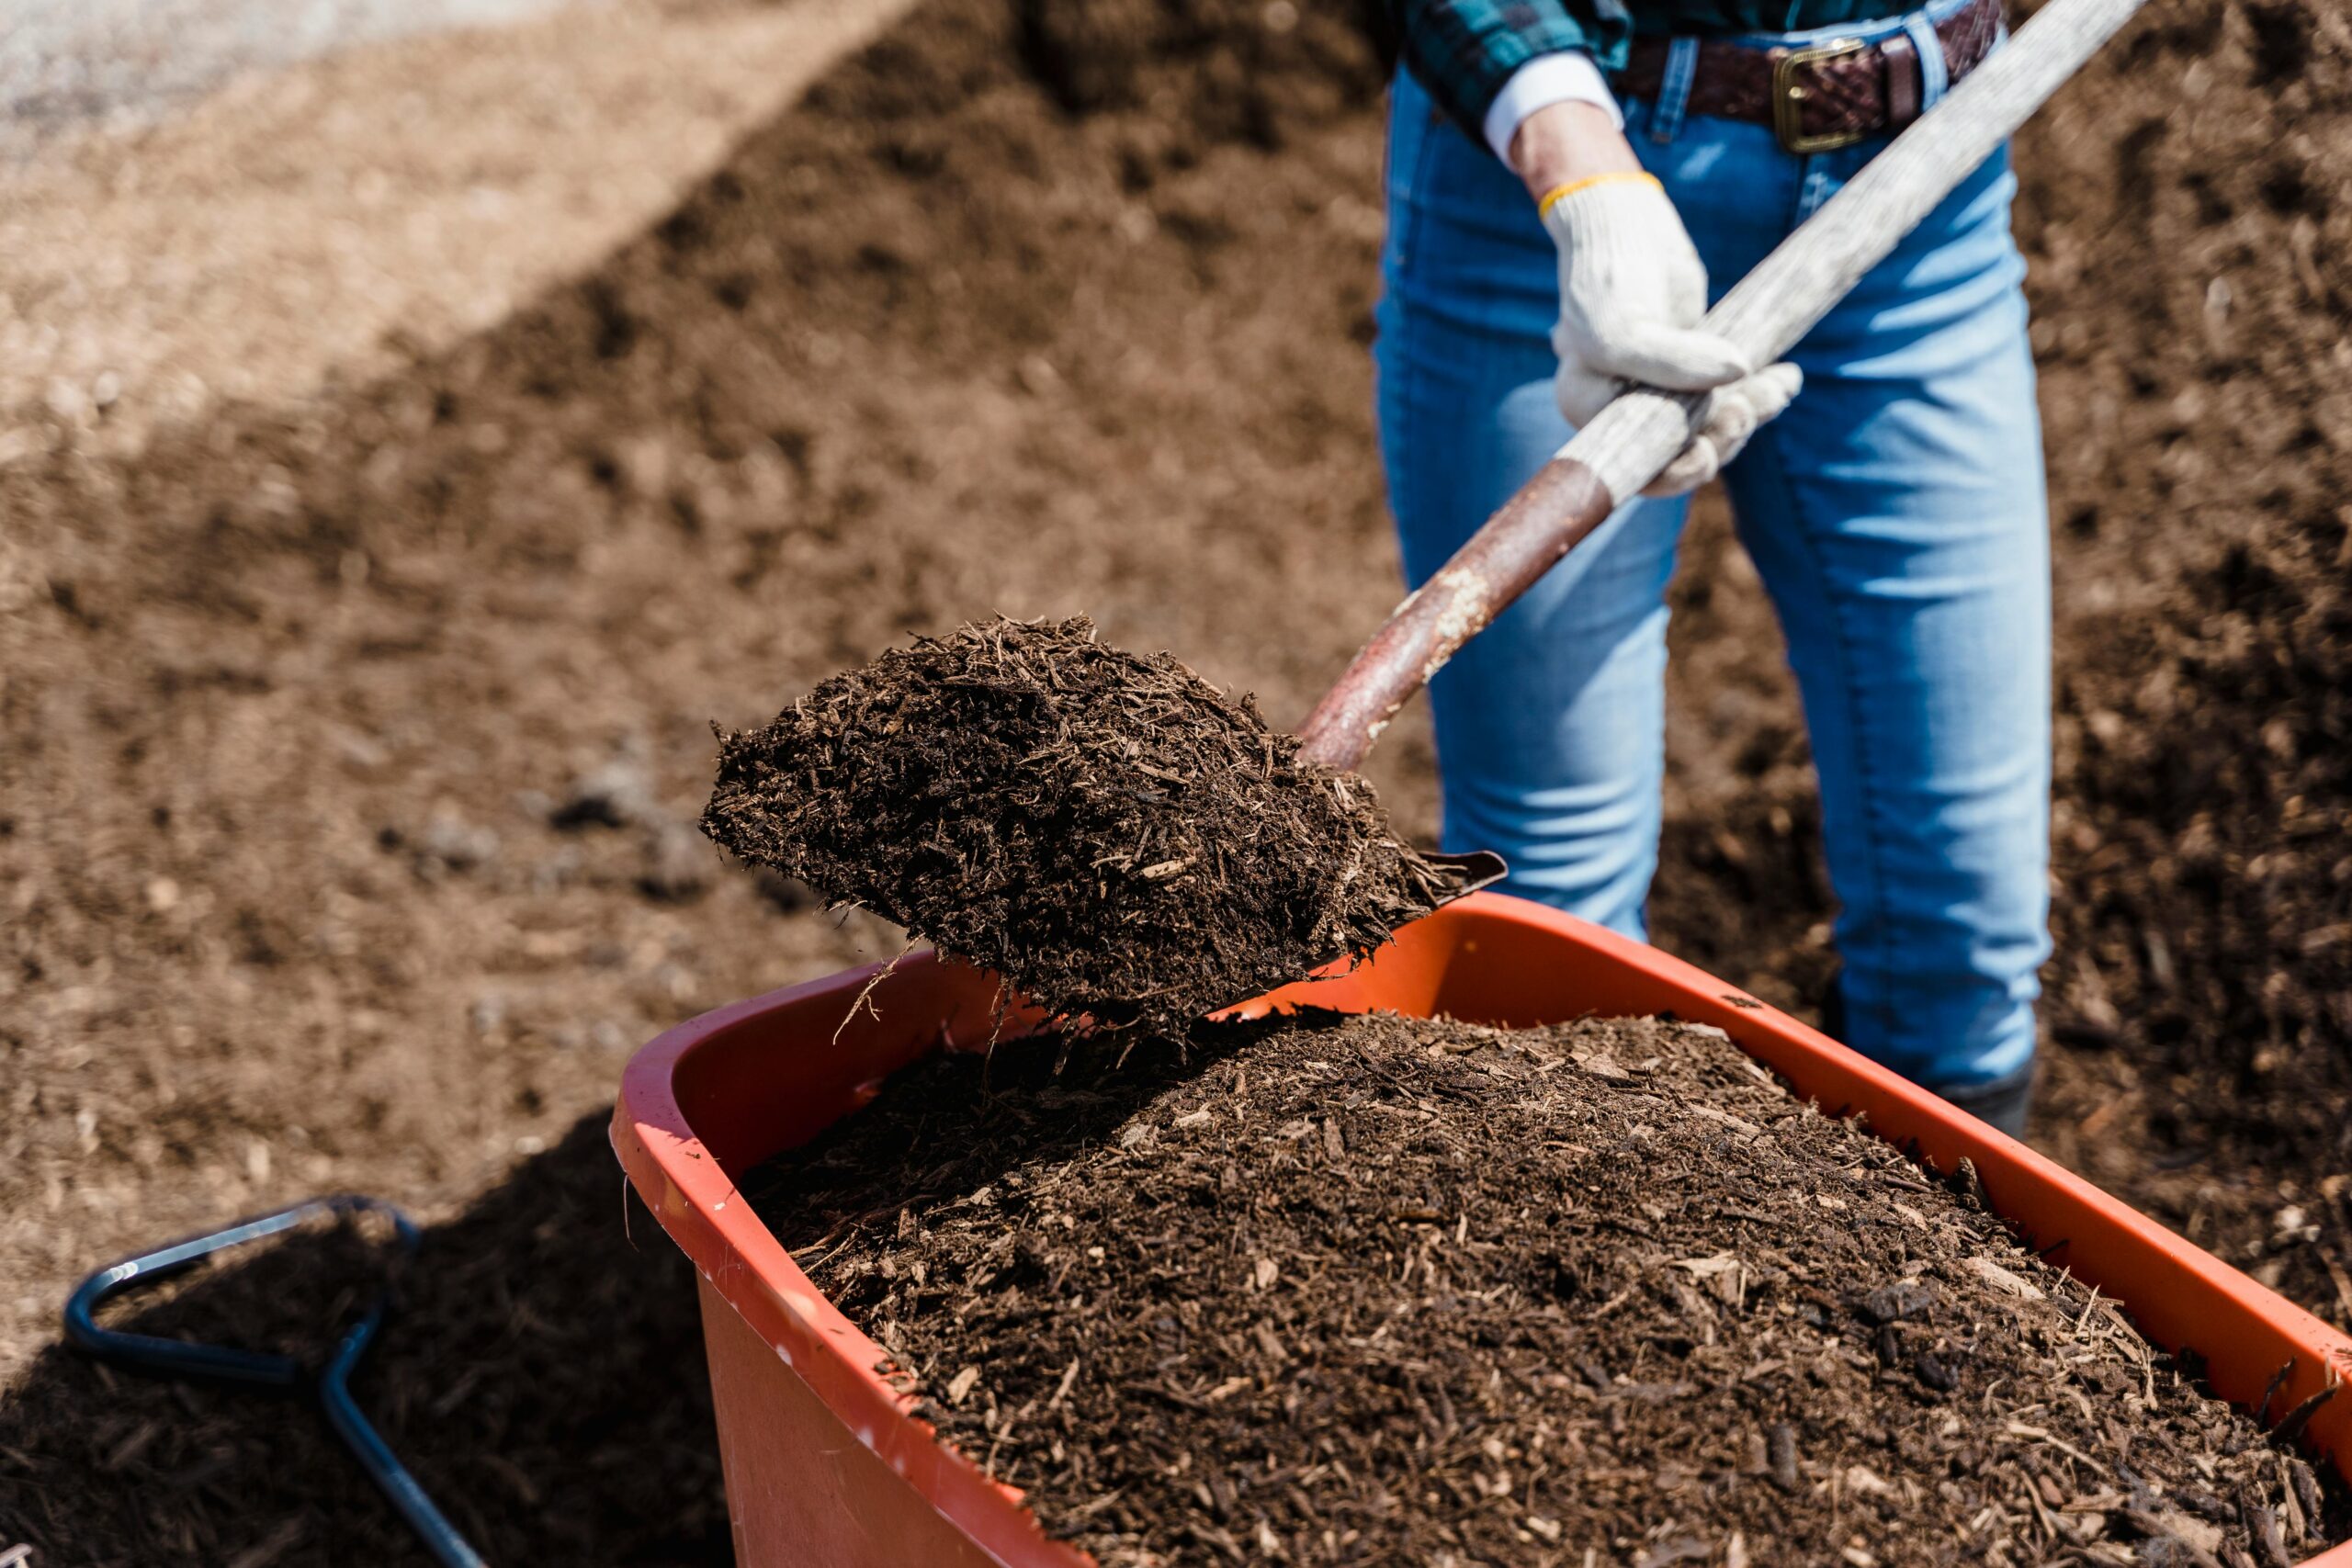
(1110, 832)
(1377, 1290)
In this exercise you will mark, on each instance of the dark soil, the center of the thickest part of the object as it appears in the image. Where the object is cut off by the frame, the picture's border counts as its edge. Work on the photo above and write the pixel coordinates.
(539, 1374)
(1380, 1291)
(350, 743)
(1113, 835)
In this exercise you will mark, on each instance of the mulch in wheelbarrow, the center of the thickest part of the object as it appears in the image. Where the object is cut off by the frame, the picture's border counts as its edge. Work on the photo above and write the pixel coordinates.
(1115, 836)
(1375, 1289)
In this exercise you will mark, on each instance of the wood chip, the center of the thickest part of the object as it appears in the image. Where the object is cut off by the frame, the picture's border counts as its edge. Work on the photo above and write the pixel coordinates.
(2003, 1280)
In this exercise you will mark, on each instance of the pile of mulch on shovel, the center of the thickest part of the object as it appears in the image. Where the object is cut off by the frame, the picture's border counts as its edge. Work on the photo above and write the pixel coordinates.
(1110, 832)
(1382, 1291)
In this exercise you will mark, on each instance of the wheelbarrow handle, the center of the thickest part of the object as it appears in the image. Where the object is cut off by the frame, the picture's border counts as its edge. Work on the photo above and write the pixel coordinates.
(394, 1478)
(1629, 443)
(158, 1357)
(155, 1356)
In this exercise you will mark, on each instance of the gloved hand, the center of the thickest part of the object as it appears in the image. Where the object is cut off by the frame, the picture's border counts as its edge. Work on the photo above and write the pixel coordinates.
(1632, 291)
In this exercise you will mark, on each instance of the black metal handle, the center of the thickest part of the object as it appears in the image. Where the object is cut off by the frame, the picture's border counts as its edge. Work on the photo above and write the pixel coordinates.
(184, 1359)
(264, 1370)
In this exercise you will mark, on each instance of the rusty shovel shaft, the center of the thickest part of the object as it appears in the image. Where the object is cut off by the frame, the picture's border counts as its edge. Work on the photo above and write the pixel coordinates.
(1547, 519)
(1630, 441)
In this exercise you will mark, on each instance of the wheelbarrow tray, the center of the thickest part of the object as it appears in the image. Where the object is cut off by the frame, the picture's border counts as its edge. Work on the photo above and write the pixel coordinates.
(827, 1464)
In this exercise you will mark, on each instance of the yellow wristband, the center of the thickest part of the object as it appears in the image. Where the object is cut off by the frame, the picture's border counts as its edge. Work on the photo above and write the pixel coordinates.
(1558, 193)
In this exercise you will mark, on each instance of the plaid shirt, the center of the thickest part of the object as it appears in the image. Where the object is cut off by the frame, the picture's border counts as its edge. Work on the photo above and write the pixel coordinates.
(1463, 50)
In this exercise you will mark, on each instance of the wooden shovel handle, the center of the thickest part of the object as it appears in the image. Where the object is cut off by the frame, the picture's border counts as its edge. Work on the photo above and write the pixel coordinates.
(1630, 441)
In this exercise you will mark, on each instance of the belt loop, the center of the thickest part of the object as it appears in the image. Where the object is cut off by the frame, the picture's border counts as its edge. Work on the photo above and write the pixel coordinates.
(1935, 70)
(1674, 91)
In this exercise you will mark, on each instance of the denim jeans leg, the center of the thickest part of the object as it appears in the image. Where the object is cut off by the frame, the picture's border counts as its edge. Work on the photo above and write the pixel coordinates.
(1897, 516)
(1895, 513)
(1549, 724)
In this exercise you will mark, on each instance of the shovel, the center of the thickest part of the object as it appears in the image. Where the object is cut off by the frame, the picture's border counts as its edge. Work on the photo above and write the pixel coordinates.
(1630, 441)
(1612, 458)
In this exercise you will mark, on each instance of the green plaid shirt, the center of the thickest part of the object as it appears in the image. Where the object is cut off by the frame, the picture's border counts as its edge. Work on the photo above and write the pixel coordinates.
(1463, 50)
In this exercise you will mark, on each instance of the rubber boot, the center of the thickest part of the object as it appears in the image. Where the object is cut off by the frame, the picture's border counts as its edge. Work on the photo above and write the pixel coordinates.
(2002, 1102)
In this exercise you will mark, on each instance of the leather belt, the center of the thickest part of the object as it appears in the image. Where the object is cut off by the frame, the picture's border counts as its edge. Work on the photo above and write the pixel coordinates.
(1825, 95)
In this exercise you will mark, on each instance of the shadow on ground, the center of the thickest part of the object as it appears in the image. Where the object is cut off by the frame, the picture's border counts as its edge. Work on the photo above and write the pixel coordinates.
(543, 1378)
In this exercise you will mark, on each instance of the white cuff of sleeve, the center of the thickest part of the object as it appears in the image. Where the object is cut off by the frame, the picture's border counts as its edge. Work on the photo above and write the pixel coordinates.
(1567, 77)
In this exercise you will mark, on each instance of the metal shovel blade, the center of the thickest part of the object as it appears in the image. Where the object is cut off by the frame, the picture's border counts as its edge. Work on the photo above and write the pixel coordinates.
(1480, 868)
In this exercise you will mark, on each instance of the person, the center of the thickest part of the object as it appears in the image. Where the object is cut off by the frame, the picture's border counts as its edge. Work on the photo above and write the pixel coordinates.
(1569, 184)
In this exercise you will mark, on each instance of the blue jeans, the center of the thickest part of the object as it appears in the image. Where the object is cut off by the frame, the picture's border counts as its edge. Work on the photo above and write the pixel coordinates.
(1895, 514)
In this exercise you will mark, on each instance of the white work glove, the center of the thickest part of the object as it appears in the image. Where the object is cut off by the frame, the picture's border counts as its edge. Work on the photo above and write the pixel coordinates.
(1632, 291)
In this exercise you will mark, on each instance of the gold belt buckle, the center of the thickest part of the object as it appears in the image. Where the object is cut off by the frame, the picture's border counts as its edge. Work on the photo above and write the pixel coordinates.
(1790, 97)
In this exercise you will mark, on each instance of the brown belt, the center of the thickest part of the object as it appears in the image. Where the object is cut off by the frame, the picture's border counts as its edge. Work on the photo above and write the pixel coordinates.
(1823, 97)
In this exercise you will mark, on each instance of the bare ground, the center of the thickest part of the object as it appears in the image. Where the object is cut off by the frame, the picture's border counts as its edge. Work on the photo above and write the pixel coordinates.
(353, 721)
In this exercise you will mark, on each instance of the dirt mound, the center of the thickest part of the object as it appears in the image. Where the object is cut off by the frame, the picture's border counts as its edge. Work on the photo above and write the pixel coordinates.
(299, 710)
(1227, 69)
(1110, 832)
(2201, 407)
(316, 877)
(346, 743)
(1380, 1291)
